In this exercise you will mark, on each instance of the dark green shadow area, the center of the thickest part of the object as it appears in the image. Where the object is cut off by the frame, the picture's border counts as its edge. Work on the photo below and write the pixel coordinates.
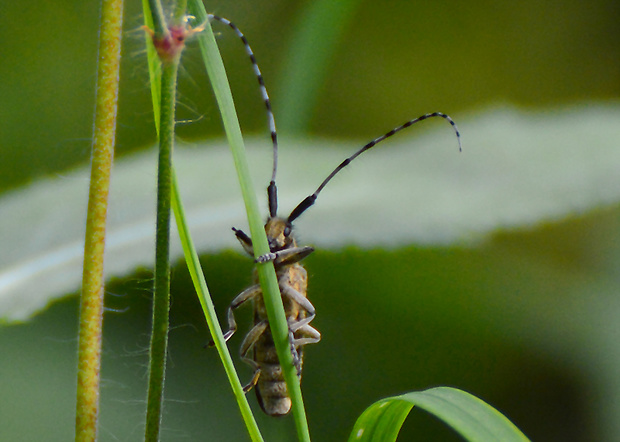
(511, 322)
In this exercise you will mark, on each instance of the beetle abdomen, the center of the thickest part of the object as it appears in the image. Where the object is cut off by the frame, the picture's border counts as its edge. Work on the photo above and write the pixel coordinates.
(271, 390)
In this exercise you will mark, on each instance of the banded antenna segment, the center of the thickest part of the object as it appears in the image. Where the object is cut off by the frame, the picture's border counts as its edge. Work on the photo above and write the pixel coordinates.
(271, 190)
(309, 200)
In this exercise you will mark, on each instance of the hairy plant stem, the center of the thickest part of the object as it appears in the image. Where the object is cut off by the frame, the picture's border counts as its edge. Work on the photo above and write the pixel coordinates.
(91, 300)
(161, 297)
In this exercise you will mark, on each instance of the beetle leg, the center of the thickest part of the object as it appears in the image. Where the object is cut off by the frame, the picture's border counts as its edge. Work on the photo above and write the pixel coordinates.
(309, 334)
(245, 241)
(253, 381)
(286, 256)
(292, 255)
(300, 299)
(239, 300)
(295, 325)
(247, 344)
(296, 354)
(242, 298)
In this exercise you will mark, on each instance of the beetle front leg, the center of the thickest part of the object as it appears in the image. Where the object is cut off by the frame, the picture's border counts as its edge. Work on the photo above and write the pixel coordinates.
(286, 256)
(245, 241)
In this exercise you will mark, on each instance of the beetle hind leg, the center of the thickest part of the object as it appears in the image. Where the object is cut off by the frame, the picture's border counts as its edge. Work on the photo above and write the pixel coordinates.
(246, 346)
(253, 381)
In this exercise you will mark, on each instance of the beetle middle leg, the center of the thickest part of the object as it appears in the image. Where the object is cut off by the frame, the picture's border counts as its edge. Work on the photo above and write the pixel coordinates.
(240, 299)
(297, 297)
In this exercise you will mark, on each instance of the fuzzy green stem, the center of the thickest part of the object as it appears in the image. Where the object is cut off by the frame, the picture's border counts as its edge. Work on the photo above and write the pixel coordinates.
(91, 301)
(266, 272)
(161, 298)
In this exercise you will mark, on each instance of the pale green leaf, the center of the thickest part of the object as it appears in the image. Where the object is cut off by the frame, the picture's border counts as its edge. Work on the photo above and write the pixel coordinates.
(517, 169)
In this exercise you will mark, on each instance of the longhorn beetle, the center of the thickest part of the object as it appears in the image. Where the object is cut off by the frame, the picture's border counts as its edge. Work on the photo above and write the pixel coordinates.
(258, 349)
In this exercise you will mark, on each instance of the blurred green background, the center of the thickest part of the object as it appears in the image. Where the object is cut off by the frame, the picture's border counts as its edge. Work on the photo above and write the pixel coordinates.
(526, 321)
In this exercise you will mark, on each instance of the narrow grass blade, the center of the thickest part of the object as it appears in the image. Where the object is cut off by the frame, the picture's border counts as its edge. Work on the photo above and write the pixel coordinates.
(266, 273)
(195, 270)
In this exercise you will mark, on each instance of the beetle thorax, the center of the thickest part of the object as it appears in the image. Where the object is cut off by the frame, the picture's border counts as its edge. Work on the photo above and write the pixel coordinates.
(279, 234)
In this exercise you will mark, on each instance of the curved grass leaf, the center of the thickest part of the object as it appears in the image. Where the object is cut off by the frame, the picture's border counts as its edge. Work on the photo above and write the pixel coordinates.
(469, 416)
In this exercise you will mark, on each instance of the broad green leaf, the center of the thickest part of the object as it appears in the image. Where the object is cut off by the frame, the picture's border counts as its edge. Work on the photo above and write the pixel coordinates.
(466, 414)
(516, 170)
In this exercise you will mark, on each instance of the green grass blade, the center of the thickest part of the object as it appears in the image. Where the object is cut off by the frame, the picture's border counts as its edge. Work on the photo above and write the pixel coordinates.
(266, 273)
(153, 63)
(469, 416)
(195, 270)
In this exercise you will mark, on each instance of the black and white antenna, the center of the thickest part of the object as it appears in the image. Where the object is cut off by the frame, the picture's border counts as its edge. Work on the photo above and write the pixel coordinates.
(309, 200)
(271, 190)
